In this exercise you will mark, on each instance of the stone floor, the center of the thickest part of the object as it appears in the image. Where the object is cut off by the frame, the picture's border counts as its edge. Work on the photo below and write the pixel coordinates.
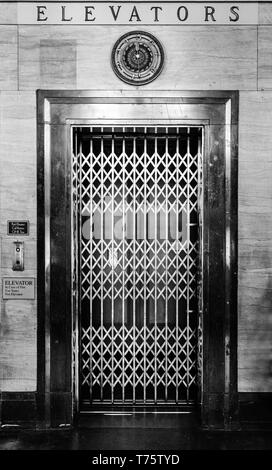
(135, 432)
(136, 439)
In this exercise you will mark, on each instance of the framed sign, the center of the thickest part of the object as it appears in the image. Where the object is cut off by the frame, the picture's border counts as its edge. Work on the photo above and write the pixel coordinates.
(18, 227)
(18, 288)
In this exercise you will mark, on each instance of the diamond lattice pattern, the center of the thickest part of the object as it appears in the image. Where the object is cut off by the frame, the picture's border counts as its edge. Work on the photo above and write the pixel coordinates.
(136, 201)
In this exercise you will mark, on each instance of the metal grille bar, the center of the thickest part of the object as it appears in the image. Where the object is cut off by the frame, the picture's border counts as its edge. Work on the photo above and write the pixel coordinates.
(138, 210)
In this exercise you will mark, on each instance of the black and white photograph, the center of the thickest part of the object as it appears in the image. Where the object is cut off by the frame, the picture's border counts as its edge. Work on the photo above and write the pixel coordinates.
(135, 231)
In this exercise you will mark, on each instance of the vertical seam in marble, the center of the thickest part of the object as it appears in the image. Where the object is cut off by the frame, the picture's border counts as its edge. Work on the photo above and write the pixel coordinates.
(18, 60)
(257, 57)
(76, 63)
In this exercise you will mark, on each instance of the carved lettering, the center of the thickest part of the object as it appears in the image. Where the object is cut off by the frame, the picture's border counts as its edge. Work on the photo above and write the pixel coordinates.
(89, 13)
(127, 12)
(156, 11)
(235, 13)
(63, 14)
(41, 13)
(182, 13)
(115, 14)
(209, 13)
(134, 14)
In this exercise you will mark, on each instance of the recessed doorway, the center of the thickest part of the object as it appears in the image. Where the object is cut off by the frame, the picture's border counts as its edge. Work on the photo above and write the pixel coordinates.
(137, 252)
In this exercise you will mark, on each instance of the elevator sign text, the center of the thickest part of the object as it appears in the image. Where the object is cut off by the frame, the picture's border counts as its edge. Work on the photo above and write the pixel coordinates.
(18, 288)
(140, 13)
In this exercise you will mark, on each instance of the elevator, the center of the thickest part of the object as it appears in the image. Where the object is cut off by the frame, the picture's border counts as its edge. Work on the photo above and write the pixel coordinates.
(137, 194)
(137, 222)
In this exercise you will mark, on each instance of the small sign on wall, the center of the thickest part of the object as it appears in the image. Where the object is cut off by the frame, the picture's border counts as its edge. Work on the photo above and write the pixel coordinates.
(18, 227)
(18, 288)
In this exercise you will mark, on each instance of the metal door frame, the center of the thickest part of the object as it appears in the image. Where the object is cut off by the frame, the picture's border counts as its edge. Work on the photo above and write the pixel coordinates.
(218, 112)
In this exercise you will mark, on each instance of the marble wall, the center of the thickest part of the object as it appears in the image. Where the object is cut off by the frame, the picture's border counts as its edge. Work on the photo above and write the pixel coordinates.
(203, 58)
(18, 201)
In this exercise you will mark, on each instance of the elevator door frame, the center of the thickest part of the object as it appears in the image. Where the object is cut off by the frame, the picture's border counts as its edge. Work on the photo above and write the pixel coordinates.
(58, 111)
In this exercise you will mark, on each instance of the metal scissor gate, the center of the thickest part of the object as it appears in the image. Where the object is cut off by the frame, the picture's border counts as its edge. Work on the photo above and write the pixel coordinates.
(136, 193)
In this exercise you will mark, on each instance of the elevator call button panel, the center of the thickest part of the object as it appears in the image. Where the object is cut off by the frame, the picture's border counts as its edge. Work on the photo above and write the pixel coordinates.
(18, 256)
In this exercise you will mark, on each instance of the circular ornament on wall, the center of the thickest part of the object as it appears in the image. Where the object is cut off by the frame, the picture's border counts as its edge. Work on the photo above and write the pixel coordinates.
(137, 58)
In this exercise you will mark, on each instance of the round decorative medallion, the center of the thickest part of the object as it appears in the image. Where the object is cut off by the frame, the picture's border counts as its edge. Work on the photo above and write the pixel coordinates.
(137, 58)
